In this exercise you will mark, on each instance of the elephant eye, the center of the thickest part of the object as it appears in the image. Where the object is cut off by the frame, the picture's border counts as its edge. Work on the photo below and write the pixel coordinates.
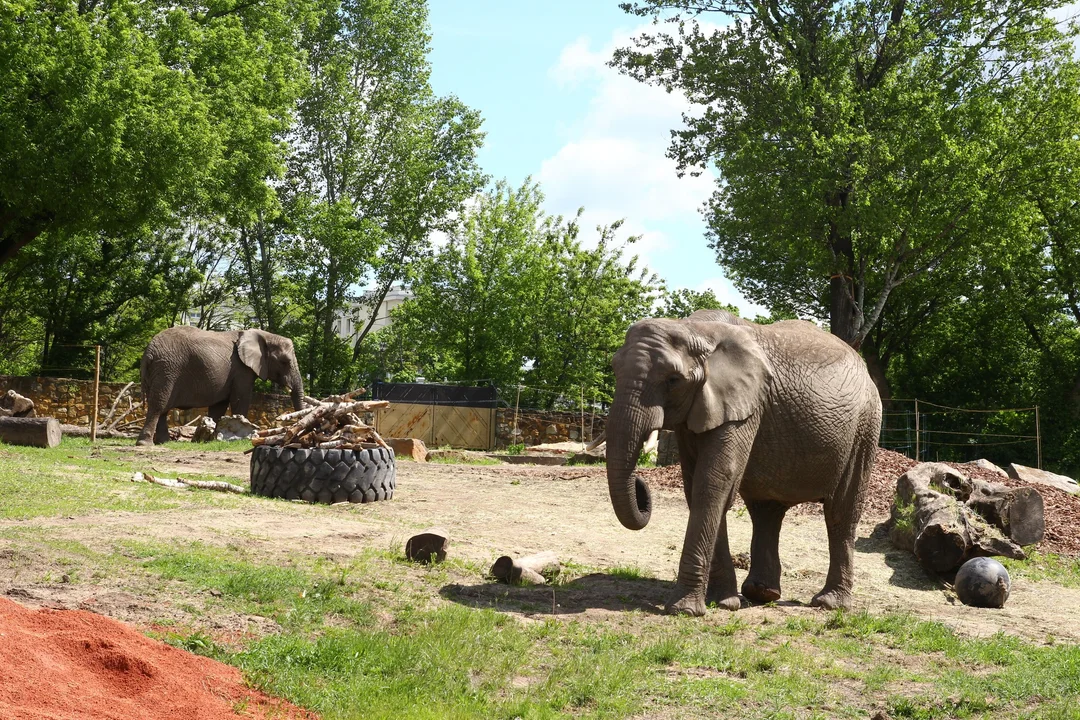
(674, 380)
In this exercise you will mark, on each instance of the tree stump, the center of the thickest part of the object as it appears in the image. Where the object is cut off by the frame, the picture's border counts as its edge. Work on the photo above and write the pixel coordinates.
(529, 570)
(429, 546)
(36, 432)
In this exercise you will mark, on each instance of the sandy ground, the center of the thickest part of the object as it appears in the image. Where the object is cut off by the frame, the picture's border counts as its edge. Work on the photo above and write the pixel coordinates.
(513, 509)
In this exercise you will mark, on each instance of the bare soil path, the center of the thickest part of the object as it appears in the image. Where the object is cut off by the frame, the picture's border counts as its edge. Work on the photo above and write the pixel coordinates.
(513, 509)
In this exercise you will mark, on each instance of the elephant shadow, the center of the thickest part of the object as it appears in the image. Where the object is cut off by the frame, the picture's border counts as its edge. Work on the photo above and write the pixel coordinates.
(906, 570)
(595, 591)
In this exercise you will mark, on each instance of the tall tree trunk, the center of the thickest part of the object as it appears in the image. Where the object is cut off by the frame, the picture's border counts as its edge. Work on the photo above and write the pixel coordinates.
(878, 368)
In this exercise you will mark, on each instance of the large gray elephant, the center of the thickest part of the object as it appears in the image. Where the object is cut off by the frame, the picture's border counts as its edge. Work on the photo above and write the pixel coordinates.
(782, 414)
(185, 367)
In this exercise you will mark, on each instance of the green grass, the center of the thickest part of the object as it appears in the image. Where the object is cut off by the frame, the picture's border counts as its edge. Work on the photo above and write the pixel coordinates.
(376, 636)
(1045, 566)
(78, 478)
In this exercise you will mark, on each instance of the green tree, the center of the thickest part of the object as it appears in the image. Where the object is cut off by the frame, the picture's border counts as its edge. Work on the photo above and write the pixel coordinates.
(684, 302)
(587, 299)
(118, 114)
(516, 297)
(377, 163)
(474, 301)
(860, 144)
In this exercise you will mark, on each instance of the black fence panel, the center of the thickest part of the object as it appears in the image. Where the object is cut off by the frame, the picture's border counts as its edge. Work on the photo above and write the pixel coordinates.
(435, 394)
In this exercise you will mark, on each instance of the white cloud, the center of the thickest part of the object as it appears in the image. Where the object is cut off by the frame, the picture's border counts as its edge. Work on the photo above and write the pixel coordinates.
(614, 162)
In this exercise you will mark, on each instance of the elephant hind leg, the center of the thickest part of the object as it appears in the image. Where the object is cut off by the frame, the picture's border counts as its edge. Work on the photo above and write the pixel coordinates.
(721, 590)
(215, 411)
(161, 434)
(762, 584)
(842, 512)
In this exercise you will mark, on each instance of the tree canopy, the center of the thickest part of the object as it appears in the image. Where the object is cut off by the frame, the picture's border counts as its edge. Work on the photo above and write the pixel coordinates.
(118, 114)
(859, 144)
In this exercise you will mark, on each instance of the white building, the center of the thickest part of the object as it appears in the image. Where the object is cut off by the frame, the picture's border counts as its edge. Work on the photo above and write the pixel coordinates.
(351, 322)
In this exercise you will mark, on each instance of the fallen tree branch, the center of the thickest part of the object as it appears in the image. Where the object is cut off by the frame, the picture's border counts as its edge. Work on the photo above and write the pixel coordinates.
(182, 484)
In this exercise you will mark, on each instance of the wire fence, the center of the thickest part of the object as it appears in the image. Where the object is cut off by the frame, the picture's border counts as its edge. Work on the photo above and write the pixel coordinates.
(927, 431)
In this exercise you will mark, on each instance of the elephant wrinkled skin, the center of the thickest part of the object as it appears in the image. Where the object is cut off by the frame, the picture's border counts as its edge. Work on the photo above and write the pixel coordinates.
(782, 414)
(185, 367)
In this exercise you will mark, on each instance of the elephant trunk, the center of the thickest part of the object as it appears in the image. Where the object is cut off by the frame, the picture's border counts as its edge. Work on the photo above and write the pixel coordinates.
(629, 423)
(296, 387)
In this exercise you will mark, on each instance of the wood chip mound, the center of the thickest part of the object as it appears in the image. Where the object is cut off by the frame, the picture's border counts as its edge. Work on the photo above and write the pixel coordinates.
(1062, 510)
(332, 422)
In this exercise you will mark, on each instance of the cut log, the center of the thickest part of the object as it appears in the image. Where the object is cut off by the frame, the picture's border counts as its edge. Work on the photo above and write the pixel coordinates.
(1019, 512)
(931, 519)
(529, 570)
(429, 546)
(37, 431)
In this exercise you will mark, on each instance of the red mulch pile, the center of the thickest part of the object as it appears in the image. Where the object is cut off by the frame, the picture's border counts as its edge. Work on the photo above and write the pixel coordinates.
(75, 665)
(1062, 510)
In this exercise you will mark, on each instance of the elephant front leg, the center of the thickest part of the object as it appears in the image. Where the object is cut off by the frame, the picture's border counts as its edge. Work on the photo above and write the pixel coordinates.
(720, 464)
(762, 584)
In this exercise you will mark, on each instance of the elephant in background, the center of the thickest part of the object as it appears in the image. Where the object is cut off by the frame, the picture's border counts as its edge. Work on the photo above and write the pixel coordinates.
(185, 367)
(782, 414)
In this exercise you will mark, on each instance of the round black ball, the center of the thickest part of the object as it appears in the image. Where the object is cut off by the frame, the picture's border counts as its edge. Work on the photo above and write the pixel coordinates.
(982, 582)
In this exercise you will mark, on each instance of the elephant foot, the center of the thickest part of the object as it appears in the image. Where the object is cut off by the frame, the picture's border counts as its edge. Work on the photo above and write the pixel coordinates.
(685, 602)
(144, 442)
(832, 600)
(760, 592)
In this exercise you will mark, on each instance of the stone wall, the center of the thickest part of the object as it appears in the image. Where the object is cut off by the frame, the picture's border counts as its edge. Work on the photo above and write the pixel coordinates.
(537, 427)
(72, 401)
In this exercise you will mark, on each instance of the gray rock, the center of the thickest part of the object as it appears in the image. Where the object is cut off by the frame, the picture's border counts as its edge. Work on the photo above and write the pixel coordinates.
(1035, 476)
(235, 427)
(982, 582)
(204, 430)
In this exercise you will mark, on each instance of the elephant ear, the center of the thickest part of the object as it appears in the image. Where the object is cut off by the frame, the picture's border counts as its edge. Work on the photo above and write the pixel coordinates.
(251, 347)
(737, 373)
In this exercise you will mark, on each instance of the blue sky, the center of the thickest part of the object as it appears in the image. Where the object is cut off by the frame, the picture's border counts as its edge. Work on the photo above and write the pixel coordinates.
(592, 138)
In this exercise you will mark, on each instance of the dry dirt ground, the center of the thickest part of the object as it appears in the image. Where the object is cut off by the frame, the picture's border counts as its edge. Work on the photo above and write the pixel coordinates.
(514, 509)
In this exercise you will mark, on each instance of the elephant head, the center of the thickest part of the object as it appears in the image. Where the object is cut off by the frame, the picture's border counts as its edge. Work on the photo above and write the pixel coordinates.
(696, 372)
(272, 358)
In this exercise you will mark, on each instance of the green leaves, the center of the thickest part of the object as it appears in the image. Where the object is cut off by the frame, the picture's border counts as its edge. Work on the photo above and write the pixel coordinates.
(515, 297)
(124, 113)
(859, 144)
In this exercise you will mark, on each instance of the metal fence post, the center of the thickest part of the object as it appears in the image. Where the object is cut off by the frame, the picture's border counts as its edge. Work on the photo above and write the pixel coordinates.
(1038, 438)
(917, 458)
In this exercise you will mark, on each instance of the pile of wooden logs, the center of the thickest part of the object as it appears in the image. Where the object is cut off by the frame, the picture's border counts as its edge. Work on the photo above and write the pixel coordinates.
(946, 518)
(333, 422)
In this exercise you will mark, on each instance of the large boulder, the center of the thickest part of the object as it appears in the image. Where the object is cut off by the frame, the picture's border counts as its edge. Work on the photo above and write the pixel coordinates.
(1035, 476)
(12, 404)
(235, 427)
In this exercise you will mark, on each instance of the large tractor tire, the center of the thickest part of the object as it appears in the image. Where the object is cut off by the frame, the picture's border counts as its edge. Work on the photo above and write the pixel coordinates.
(323, 476)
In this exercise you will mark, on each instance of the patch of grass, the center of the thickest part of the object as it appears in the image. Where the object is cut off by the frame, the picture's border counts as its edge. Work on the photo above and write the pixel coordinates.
(237, 446)
(73, 479)
(1045, 566)
(515, 449)
(463, 460)
(629, 572)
